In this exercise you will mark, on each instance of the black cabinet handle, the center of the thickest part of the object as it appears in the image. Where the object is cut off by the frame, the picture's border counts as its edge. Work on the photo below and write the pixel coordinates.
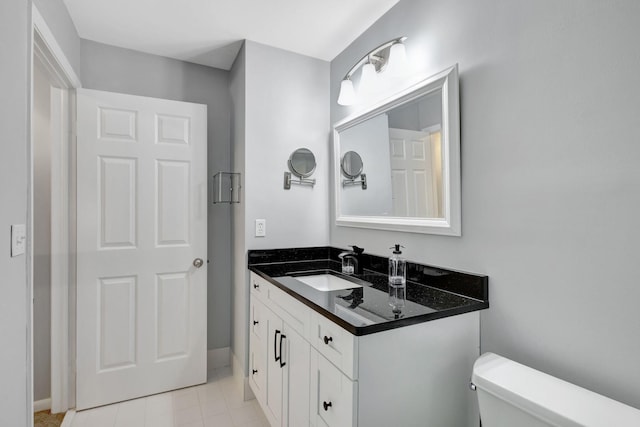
(327, 339)
(254, 371)
(282, 362)
(326, 405)
(255, 322)
(256, 286)
(275, 346)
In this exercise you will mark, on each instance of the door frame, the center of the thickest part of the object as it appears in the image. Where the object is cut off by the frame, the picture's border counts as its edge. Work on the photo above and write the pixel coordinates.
(46, 49)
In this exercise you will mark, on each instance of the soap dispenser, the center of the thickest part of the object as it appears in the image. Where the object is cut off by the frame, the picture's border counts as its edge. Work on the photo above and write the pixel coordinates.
(397, 280)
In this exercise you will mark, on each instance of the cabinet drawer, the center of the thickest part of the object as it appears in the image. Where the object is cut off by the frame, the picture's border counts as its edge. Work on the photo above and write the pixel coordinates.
(336, 344)
(293, 312)
(257, 323)
(336, 397)
(258, 285)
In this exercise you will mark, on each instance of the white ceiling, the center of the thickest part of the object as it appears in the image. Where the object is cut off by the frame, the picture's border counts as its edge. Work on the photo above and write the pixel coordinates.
(210, 32)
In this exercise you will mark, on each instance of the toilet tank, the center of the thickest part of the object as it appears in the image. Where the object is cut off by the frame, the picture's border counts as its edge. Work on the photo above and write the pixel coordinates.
(511, 394)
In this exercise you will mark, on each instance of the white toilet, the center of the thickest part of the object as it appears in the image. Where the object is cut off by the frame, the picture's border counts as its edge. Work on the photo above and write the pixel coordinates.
(514, 395)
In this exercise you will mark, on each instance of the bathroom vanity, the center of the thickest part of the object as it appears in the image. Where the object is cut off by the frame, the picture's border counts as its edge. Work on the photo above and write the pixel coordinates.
(326, 349)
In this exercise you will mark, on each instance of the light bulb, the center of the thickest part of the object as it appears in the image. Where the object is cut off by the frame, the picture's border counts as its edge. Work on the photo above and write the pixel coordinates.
(397, 60)
(368, 78)
(347, 94)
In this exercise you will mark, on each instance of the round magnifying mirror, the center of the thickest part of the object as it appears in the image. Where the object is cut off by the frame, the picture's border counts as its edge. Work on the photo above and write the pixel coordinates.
(351, 164)
(302, 163)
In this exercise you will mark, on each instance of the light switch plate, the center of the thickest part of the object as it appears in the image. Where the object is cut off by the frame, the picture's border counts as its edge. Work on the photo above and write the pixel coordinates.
(261, 227)
(18, 239)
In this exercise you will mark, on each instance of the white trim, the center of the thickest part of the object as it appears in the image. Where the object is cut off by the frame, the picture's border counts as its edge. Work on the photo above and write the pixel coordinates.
(432, 128)
(60, 249)
(72, 256)
(42, 405)
(68, 418)
(29, 259)
(45, 47)
(40, 26)
(240, 379)
(218, 358)
(450, 225)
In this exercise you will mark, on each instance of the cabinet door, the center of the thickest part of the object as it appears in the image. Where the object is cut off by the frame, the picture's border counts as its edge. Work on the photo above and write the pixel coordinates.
(334, 395)
(258, 349)
(275, 379)
(297, 356)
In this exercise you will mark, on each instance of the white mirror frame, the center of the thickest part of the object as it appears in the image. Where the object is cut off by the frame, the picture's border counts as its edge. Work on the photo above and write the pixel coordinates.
(450, 224)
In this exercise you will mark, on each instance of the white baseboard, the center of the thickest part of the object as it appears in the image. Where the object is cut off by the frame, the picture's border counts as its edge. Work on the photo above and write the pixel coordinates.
(42, 405)
(218, 358)
(240, 379)
(238, 372)
(68, 418)
(248, 393)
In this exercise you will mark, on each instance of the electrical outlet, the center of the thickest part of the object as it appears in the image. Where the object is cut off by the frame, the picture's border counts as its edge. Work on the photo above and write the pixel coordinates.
(261, 227)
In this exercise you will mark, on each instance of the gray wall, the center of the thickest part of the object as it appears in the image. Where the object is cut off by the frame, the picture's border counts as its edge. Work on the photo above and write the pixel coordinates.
(120, 70)
(59, 22)
(285, 108)
(237, 87)
(15, 39)
(550, 100)
(41, 233)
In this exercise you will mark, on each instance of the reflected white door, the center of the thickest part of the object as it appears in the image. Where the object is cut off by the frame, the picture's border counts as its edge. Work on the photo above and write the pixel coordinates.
(416, 169)
(142, 221)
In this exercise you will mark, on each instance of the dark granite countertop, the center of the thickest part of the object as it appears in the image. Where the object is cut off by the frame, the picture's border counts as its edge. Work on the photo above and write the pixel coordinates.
(431, 293)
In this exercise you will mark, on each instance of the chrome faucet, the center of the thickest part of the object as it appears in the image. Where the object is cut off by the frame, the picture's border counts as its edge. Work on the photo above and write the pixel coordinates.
(355, 256)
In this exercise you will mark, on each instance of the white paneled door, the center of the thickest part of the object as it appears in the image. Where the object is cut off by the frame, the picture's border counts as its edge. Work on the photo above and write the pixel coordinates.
(142, 229)
(416, 170)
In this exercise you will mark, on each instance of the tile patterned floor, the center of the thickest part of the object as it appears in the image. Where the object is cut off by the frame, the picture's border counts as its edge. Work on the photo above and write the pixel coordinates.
(218, 403)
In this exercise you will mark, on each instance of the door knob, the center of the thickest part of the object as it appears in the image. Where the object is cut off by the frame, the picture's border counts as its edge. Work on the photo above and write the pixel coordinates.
(197, 263)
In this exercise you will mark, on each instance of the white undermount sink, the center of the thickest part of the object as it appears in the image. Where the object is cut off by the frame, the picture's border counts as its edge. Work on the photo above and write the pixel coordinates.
(327, 282)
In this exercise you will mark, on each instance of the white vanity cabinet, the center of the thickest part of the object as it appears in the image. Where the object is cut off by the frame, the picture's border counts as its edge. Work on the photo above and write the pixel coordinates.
(410, 376)
(279, 360)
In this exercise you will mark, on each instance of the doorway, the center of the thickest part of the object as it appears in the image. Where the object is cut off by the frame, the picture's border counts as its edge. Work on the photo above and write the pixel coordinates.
(41, 149)
(49, 258)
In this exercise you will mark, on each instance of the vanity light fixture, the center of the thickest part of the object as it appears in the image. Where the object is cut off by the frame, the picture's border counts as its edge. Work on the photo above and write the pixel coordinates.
(390, 55)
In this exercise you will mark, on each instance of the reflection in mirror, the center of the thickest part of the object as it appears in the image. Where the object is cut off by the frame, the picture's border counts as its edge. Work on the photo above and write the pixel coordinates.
(351, 164)
(403, 148)
(411, 144)
(302, 163)
(416, 157)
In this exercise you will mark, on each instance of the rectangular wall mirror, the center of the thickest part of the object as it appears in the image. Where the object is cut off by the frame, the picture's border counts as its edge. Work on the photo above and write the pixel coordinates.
(408, 154)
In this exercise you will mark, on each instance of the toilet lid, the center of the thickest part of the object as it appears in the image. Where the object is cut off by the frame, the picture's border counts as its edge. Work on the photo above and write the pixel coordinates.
(551, 399)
